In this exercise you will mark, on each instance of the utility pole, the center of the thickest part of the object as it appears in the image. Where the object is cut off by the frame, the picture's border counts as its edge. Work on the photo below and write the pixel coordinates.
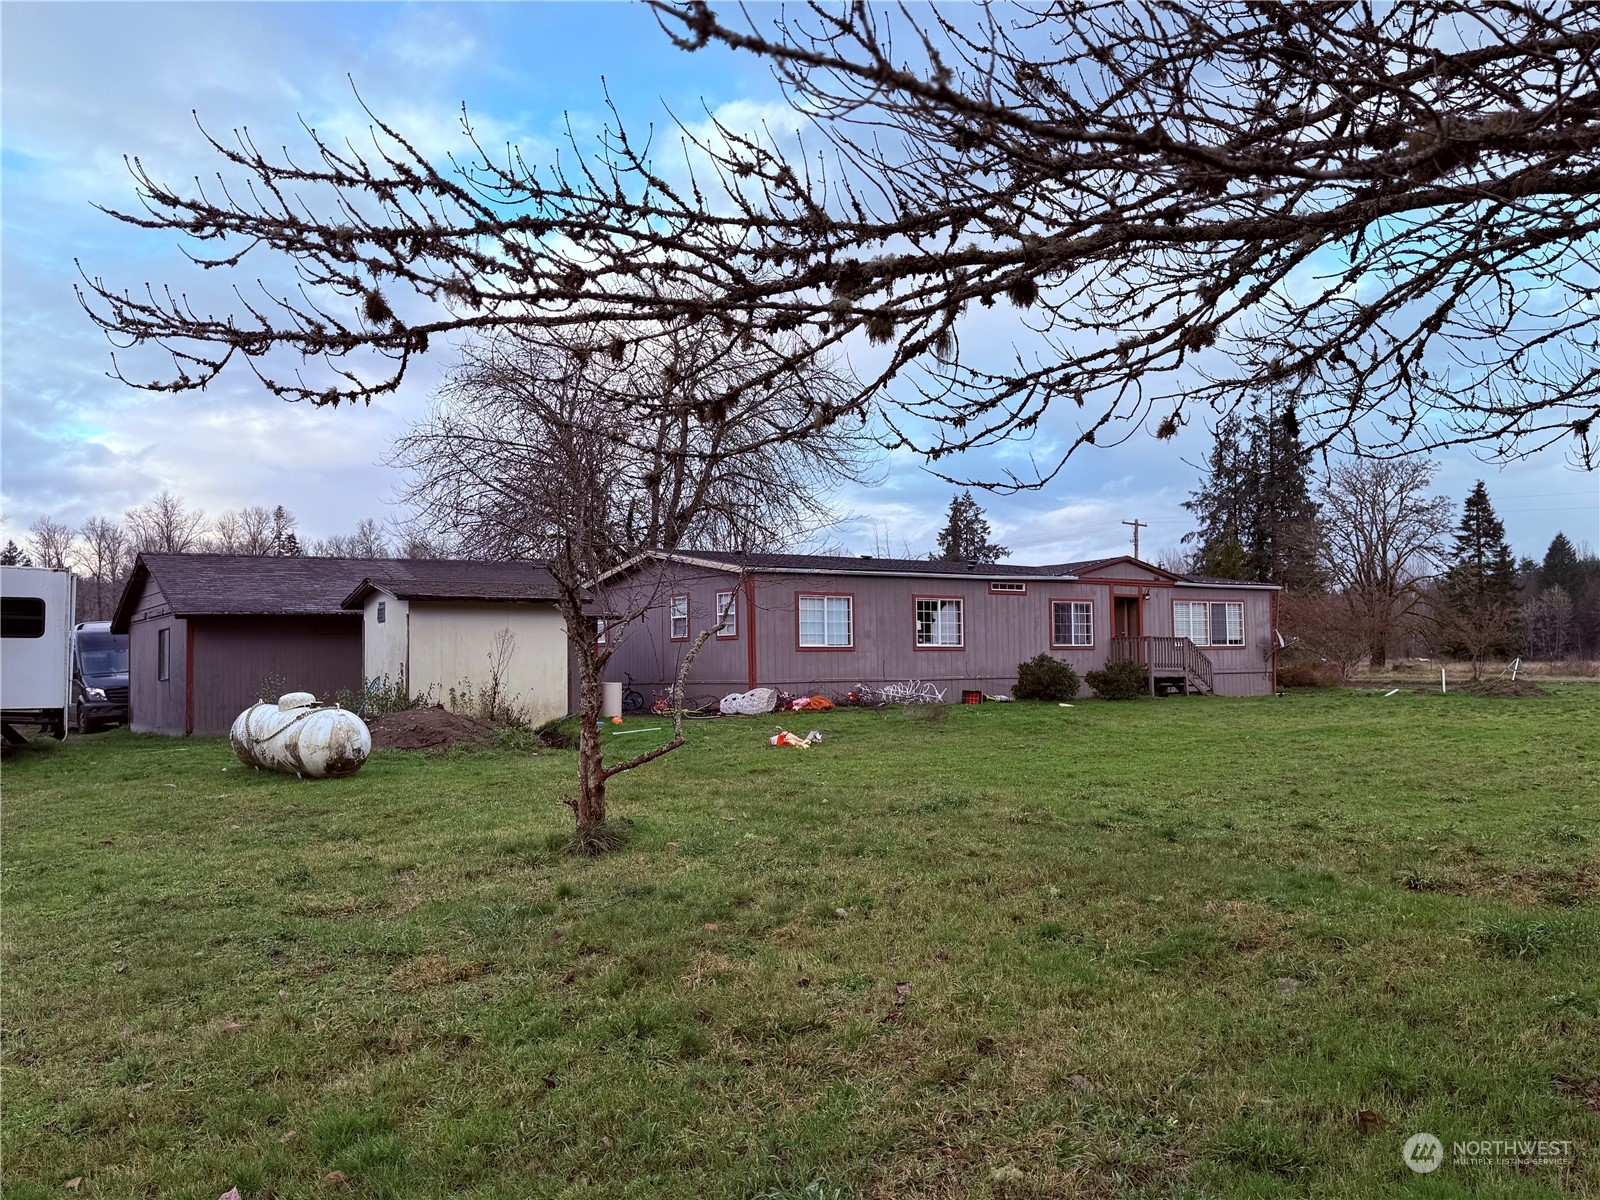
(1137, 525)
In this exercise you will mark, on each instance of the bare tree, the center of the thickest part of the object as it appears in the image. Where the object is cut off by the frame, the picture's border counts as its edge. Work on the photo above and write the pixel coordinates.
(166, 526)
(50, 544)
(244, 531)
(367, 541)
(1190, 203)
(1548, 619)
(542, 450)
(104, 559)
(416, 543)
(1382, 538)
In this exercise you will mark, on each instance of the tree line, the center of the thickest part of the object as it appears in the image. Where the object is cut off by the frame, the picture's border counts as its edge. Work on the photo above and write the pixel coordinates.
(1372, 562)
(102, 550)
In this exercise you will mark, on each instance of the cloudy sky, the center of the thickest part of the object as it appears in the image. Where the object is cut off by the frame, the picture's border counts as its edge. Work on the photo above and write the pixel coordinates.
(87, 84)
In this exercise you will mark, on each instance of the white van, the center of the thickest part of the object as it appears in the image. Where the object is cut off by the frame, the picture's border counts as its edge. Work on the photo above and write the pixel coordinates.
(36, 613)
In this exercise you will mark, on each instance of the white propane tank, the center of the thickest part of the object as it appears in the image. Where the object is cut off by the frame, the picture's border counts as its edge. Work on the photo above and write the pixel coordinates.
(300, 737)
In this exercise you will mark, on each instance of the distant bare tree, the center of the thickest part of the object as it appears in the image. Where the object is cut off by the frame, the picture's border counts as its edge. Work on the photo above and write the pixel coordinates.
(417, 544)
(244, 531)
(166, 526)
(50, 544)
(1382, 539)
(1175, 559)
(104, 559)
(541, 450)
(367, 541)
(1548, 618)
(1192, 203)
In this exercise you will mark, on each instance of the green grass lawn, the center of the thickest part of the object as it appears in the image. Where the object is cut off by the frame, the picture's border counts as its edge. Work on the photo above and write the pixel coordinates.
(1158, 948)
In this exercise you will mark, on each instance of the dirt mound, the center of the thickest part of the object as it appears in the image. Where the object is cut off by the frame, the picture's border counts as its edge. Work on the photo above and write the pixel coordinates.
(427, 729)
(1501, 687)
(1514, 689)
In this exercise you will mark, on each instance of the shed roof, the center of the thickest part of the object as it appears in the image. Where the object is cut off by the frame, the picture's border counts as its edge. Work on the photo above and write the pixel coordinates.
(859, 564)
(452, 579)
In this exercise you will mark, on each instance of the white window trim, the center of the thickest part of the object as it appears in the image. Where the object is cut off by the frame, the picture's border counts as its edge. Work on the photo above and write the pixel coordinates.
(825, 644)
(1072, 626)
(727, 611)
(676, 612)
(961, 622)
(1207, 605)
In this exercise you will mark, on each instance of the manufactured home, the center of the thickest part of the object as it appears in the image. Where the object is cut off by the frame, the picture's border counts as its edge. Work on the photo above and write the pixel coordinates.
(805, 623)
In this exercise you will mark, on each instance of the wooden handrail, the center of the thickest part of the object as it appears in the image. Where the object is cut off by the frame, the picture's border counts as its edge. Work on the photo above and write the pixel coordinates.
(1164, 656)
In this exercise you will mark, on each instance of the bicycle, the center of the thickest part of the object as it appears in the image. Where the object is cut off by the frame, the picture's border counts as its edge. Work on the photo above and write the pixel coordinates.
(632, 697)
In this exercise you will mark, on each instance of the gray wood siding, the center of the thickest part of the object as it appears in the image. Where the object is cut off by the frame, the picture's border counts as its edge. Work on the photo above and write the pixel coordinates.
(234, 657)
(1246, 670)
(1000, 631)
(646, 650)
(155, 706)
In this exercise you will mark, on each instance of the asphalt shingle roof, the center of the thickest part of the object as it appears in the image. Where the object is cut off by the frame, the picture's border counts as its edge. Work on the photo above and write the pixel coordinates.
(863, 564)
(450, 579)
(201, 585)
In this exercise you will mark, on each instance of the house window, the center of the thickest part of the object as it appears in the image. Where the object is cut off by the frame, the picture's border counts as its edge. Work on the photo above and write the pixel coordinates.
(383, 614)
(939, 623)
(163, 654)
(21, 617)
(680, 619)
(1209, 622)
(827, 622)
(1009, 589)
(599, 631)
(1071, 623)
(727, 615)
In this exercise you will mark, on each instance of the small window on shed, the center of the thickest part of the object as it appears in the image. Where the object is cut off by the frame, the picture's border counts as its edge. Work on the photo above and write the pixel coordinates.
(21, 617)
(163, 654)
(383, 611)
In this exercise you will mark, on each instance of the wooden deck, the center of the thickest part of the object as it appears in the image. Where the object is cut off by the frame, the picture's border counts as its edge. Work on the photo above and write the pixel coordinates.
(1175, 659)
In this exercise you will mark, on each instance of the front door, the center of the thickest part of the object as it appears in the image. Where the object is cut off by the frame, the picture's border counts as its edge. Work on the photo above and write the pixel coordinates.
(1125, 622)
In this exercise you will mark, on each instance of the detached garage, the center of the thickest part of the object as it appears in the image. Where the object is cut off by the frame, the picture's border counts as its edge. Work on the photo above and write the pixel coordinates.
(208, 634)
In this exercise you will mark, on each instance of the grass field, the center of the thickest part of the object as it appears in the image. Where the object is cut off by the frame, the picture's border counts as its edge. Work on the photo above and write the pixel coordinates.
(1157, 948)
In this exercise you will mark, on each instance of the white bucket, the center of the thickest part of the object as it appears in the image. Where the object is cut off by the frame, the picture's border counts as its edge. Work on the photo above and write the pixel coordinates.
(610, 700)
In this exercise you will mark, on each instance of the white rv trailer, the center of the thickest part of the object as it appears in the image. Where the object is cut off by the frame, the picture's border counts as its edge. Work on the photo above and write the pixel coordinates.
(36, 613)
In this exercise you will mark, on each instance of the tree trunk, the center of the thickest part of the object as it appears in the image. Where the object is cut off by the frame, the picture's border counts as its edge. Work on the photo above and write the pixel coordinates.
(1379, 653)
(590, 809)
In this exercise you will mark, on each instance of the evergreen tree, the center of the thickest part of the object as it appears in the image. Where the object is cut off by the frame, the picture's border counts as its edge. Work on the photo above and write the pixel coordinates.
(1561, 568)
(1479, 588)
(283, 540)
(965, 536)
(12, 556)
(1257, 519)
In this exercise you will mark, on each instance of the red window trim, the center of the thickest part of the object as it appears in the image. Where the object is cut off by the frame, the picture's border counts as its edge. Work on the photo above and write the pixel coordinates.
(687, 608)
(962, 600)
(850, 649)
(1243, 631)
(716, 611)
(1055, 600)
